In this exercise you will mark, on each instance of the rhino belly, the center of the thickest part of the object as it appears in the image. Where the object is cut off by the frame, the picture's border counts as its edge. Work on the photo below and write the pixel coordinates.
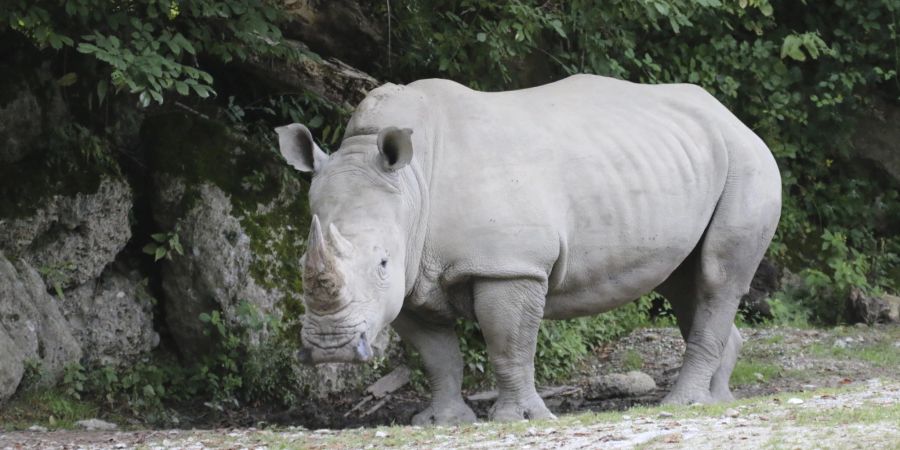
(601, 279)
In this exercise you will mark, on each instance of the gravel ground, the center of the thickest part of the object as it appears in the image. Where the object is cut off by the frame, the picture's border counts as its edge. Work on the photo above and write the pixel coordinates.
(866, 415)
(815, 389)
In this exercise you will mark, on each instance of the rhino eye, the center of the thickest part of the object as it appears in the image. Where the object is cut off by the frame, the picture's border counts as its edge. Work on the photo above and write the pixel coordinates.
(383, 262)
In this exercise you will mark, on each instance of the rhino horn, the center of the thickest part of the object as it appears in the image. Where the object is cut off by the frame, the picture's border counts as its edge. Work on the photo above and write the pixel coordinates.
(341, 244)
(317, 251)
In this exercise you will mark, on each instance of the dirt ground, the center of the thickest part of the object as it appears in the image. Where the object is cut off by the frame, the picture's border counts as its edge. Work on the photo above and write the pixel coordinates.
(797, 388)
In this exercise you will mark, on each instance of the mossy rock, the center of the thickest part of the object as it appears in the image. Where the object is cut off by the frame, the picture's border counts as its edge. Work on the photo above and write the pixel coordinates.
(197, 164)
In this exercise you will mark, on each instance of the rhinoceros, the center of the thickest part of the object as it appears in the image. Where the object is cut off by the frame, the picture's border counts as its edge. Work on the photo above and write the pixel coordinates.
(553, 202)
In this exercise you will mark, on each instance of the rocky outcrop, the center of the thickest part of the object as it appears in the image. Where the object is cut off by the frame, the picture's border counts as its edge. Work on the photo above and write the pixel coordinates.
(871, 309)
(33, 331)
(630, 384)
(73, 237)
(112, 317)
(241, 219)
(214, 273)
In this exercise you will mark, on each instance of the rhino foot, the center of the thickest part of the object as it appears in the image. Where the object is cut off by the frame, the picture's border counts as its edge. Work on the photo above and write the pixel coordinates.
(512, 410)
(680, 397)
(454, 413)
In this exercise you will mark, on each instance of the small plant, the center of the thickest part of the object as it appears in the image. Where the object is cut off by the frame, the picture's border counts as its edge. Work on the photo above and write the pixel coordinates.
(73, 382)
(164, 245)
(633, 360)
(57, 276)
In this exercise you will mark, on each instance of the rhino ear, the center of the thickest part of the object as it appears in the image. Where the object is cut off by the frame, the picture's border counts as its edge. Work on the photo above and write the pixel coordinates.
(396, 148)
(298, 148)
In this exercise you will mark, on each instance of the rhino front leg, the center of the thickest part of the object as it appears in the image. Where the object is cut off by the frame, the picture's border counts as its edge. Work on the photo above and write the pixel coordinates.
(509, 313)
(439, 348)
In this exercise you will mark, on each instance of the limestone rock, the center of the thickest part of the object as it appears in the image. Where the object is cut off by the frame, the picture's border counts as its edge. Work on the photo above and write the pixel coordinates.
(242, 231)
(96, 425)
(630, 384)
(72, 238)
(214, 273)
(893, 304)
(112, 317)
(32, 328)
(11, 365)
(866, 308)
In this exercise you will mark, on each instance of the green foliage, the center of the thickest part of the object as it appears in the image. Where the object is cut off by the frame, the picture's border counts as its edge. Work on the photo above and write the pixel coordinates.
(561, 345)
(73, 380)
(164, 245)
(57, 276)
(235, 372)
(148, 48)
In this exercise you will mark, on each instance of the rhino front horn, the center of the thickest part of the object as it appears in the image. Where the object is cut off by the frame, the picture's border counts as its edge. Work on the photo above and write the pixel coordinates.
(317, 251)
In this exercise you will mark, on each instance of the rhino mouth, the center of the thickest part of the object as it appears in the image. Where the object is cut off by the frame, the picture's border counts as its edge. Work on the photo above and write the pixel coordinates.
(324, 347)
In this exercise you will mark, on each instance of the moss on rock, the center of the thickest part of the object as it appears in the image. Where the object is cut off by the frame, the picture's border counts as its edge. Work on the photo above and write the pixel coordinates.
(268, 201)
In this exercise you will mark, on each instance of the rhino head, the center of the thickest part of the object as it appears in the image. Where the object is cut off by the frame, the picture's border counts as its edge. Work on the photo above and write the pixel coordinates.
(354, 268)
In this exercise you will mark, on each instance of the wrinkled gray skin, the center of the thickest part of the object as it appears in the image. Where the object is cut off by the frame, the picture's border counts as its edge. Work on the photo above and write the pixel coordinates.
(554, 202)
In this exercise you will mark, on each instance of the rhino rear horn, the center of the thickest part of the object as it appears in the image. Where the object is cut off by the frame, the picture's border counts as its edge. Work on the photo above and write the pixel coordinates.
(341, 244)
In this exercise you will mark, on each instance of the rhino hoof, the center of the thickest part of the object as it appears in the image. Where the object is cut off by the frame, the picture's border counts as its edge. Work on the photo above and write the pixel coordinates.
(455, 414)
(688, 398)
(508, 411)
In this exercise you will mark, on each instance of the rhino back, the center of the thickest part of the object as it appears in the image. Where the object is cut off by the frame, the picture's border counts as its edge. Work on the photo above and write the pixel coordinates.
(594, 184)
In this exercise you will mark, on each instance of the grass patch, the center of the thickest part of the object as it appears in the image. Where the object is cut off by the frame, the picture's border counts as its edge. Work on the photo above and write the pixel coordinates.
(881, 354)
(745, 372)
(48, 408)
(632, 360)
(868, 413)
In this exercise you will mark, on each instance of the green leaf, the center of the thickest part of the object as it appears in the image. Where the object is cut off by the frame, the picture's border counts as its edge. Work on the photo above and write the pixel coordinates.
(182, 88)
(102, 88)
(481, 37)
(159, 254)
(159, 237)
(67, 79)
(150, 249)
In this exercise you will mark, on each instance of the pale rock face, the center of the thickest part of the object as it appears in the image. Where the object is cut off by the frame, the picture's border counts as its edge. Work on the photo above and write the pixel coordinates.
(76, 236)
(33, 331)
(553, 202)
(112, 318)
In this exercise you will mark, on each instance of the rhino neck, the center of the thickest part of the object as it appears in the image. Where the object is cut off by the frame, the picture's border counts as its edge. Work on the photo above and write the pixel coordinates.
(416, 182)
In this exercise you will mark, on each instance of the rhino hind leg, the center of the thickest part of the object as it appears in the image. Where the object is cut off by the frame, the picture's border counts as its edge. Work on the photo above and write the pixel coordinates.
(680, 290)
(439, 349)
(509, 313)
(706, 290)
(718, 386)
